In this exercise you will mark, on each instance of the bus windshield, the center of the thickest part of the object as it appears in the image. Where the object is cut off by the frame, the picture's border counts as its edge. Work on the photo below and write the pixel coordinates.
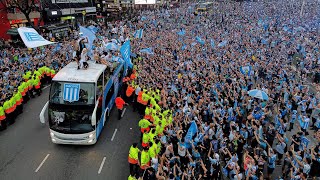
(69, 119)
(72, 93)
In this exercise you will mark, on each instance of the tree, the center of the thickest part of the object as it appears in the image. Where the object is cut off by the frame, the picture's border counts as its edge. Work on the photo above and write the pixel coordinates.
(25, 7)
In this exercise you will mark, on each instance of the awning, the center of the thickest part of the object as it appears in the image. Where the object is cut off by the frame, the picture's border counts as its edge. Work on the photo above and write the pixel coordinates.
(13, 31)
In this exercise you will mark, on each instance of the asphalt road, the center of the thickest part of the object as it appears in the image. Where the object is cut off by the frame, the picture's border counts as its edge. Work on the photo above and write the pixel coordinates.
(27, 153)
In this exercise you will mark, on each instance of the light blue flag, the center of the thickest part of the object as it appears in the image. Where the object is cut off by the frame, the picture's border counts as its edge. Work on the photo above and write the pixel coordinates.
(138, 33)
(89, 34)
(184, 46)
(125, 51)
(212, 43)
(143, 18)
(202, 42)
(193, 129)
(93, 29)
(147, 51)
(246, 70)
(223, 43)
(182, 32)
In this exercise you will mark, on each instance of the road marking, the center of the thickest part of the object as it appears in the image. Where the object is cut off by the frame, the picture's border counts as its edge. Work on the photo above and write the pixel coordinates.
(114, 134)
(45, 87)
(101, 165)
(44, 160)
(123, 112)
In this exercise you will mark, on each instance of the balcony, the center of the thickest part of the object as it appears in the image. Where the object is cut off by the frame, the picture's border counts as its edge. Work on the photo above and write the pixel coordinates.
(20, 16)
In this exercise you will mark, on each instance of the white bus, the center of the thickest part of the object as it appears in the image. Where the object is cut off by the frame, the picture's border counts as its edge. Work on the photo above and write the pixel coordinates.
(80, 102)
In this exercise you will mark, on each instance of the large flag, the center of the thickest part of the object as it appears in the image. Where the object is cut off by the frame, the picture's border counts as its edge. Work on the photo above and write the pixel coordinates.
(125, 51)
(193, 129)
(89, 34)
(246, 70)
(31, 38)
(138, 33)
(93, 29)
(71, 92)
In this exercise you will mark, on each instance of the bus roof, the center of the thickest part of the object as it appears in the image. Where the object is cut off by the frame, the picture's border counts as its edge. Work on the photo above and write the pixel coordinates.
(70, 73)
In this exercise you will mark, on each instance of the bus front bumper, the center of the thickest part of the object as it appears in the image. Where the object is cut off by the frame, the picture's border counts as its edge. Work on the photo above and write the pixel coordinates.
(76, 139)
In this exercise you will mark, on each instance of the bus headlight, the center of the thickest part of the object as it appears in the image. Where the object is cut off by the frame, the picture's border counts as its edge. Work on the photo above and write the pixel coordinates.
(51, 134)
(91, 135)
(90, 141)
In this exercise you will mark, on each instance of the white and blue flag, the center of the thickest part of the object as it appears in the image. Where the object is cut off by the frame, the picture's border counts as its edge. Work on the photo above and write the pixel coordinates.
(305, 141)
(71, 92)
(138, 34)
(31, 38)
(147, 51)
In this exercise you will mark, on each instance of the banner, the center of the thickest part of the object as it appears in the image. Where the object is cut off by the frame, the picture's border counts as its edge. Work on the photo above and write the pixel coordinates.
(31, 38)
(193, 129)
(212, 43)
(125, 51)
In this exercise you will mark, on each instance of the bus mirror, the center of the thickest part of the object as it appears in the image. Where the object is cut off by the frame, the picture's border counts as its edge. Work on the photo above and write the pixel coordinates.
(41, 116)
(94, 114)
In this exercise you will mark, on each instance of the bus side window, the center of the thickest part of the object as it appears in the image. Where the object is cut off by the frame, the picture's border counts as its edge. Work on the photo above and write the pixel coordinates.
(106, 76)
(109, 95)
(99, 86)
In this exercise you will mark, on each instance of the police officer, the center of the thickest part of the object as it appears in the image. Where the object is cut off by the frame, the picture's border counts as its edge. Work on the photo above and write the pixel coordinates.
(3, 120)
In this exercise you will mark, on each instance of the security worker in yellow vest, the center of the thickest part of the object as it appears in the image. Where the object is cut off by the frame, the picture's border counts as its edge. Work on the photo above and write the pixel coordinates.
(8, 109)
(132, 176)
(30, 88)
(37, 84)
(145, 159)
(3, 119)
(133, 158)
(18, 100)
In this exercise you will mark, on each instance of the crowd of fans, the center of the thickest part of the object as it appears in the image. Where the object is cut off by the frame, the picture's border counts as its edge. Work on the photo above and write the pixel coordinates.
(199, 121)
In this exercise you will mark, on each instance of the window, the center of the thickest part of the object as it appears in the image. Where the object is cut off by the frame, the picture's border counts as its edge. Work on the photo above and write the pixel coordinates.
(106, 75)
(99, 87)
(109, 95)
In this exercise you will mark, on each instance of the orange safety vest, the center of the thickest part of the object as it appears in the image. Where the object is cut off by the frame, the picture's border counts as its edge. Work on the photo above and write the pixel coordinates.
(129, 91)
(38, 85)
(132, 76)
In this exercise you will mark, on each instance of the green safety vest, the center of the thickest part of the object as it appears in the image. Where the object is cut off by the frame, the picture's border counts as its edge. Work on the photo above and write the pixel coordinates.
(132, 178)
(2, 113)
(145, 158)
(143, 123)
(36, 81)
(153, 150)
(7, 105)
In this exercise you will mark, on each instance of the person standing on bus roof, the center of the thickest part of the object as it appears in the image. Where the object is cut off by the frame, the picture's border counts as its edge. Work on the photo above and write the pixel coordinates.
(119, 103)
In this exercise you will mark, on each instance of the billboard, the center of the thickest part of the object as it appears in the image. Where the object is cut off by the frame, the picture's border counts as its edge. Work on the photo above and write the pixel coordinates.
(144, 1)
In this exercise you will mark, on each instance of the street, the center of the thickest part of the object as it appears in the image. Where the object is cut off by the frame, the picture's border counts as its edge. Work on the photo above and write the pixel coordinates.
(27, 151)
